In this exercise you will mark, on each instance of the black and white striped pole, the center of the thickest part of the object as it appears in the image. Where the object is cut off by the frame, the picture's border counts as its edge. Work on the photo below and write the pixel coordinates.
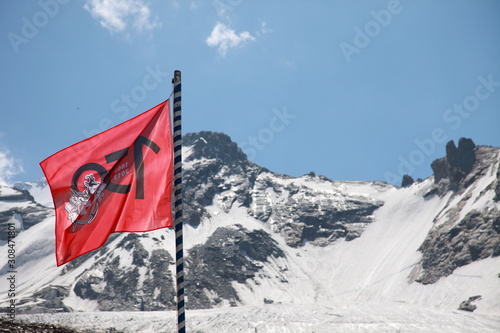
(179, 257)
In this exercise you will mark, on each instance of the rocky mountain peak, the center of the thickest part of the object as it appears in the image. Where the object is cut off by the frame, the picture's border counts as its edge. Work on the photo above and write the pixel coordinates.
(462, 157)
(304, 209)
(407, 181)
(457, 163)
(466, 229)
(213, 145)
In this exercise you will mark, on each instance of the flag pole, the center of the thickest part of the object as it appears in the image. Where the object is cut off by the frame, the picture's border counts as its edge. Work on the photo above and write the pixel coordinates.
(179, 257)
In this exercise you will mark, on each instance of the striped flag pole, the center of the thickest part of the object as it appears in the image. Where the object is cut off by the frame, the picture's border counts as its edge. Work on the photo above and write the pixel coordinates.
(179, 257)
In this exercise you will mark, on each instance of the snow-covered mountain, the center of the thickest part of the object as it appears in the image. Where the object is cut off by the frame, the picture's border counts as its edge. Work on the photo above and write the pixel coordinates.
(259, 240)
(18, 207)
(38, 190)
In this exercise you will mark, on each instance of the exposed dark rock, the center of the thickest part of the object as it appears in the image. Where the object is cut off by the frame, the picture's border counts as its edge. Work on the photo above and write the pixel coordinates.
(440, 169)
(475, 237)
(431, 193)
(458, 240)
(132, 243)
(456, 165)
(119, 288)
(407, 181)
(467, 304)
(211, 145)
(46, 300)
(310, 215)
(497, 185)
(159, 289)
(466, 154)
(230, 254)
(53, 296)
(452, 154)
(205, 180)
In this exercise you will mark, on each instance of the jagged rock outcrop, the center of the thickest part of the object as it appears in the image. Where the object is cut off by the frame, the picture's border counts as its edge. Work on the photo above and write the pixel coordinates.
(213, 145)
(451, 170)
(467, 228)
(407, 181)
(467, 304)
(497, 186)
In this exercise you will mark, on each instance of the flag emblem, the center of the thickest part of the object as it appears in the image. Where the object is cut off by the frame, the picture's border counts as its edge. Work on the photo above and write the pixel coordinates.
(82, 207)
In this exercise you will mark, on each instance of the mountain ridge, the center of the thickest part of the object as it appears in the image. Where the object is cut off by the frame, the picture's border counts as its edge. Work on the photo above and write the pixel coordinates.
(253, 236)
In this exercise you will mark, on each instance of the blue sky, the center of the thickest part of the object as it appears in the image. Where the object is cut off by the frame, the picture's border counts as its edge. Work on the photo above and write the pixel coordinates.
(353, 90)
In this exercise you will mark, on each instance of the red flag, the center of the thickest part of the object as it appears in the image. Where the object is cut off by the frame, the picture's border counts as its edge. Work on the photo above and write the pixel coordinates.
(117, 181)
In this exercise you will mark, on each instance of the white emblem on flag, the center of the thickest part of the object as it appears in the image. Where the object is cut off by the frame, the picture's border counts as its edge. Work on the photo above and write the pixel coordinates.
(82, 207)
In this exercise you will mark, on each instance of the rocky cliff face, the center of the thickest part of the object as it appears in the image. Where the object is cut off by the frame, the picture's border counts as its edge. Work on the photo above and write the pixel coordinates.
(468, 228)
(129, 277)
(450, 171)
(312, 208)
(230, 254)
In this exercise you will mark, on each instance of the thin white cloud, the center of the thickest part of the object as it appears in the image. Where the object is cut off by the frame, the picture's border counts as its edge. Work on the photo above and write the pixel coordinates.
(225, 38)
(117, 15)
(9, 167)
(263, 29)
